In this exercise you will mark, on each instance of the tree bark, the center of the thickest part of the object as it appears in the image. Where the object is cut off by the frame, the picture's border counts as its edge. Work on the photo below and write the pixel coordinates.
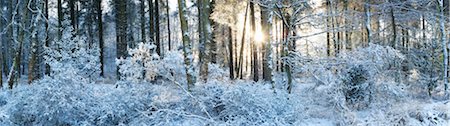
(266, 25)
(190, 77)
(142, 11)
(100, 36)
(207, 34)
(159, 48)
(121, 29)
(168, 26)
(253, 45)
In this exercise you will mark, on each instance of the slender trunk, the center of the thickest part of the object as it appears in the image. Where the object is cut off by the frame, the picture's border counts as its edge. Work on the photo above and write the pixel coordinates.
(445, 46)
(14, 74)
(368, 14)
(394, 27)
(142, 11)
(60, 18)
(190, 77)
(159, 48)
(47, 39)
(121, 29)
(267, 47)
(230, 51)
(206, 45)
(241, 56)
(100, 36)
(151, 21)
(253, 45)
(168, 26)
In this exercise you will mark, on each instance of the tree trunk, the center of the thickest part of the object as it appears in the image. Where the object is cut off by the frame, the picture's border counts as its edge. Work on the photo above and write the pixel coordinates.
(253, 45)
(241, 55)
(121, 29)
(152, 21)
(230, 51)
(60, 18)
(205, 46)
(100, 36)
(168, 26)
(368, 14)
(394, 27)
(159, 48)
(142, 11)
(190, 77)
(444, 43)
(266, 25)
(14, 73)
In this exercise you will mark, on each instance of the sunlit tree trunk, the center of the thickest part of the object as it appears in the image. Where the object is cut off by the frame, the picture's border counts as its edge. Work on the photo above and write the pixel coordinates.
(190, 77)
(254, 47)
(368, 15)
(266, 24)
(241, 54)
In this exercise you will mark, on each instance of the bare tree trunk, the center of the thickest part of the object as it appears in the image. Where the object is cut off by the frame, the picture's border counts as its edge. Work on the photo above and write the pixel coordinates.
(230, 51)
(241, 55)
(151, 21)
(267, 47)
(14, 73)
(159, 48)
(444, 43)
(394, 27)
(190, 77)
(168, 26)
(60, 18)
(253, 43)
(100, 36)
(121, 29)
(205, 46)
(368, 14)
(142, 11)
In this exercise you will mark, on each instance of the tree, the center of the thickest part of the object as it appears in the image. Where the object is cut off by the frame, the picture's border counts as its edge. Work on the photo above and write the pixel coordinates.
(168, 25)
(121, 28)
(60, 18)
(14, 72)
(100, 35)
(205, 56)
(157, 30)
(142, 12)
(189, 68)
(445, 46)
(253, 45)
(266, 23)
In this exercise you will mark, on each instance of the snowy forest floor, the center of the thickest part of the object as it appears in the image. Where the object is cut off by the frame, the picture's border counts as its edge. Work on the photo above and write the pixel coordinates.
(320, 97)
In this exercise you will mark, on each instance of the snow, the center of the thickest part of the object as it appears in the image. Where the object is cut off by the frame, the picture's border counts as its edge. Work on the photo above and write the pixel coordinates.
(320, 95)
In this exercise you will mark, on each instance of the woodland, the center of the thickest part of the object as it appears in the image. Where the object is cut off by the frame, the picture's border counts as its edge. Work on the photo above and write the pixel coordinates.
(225, 62)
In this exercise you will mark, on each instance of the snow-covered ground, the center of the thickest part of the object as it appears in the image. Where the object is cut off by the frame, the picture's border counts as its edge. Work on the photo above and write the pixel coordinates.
(320, 97)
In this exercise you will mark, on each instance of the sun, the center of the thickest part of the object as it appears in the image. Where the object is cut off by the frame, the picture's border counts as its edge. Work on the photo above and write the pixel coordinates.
(259, 37)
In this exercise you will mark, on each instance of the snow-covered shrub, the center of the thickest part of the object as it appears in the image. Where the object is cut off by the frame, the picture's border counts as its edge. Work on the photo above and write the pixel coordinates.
(72, 58)
(172, 66)
(357, 88)
(141, 65)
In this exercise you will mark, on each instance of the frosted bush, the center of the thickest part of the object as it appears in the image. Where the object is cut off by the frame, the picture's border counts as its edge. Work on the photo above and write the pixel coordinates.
(141, 65)
(71, 58)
